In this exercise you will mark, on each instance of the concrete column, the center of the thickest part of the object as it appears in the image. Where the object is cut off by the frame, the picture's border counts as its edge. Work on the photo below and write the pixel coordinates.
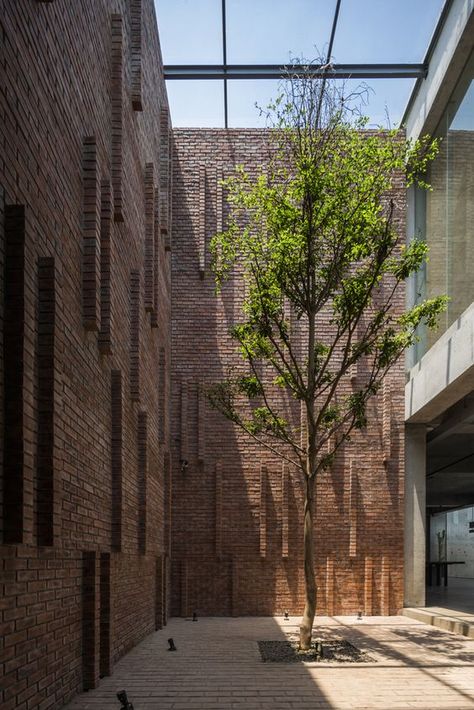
(415, 514)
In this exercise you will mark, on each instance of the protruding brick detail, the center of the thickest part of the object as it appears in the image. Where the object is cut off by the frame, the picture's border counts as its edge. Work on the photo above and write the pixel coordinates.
(369, 586)
(90, 621)
(218, 509)
(105, 336)
(330, 586)
(91, 236)
(162, 399)
(136, 53)
(156, 259)
(201, 431)
(184, 438)
(167, 502)
(385, 587)
(117, 115)
(14, 485)
(353, 508)
(142, 443)
(234, 586)
(160, 592)
(117, 458)
(285, 492)
(386, 421)
(263, 511)
(105, 661)
(165, 182)
(184, 587)
(149, 236)
(47, 490)
(135, 336)
(302, 424)
(202, 221)
(219, 202)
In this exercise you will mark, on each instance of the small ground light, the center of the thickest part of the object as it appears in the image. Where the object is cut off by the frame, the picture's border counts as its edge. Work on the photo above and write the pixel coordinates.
(122, 696)
(172, 647)
(319, 648)
(195, 616)
(359, 616)
(287, 618)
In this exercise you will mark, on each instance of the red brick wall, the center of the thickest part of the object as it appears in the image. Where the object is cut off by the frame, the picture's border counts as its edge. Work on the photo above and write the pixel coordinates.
(83, 111)
(237, 516)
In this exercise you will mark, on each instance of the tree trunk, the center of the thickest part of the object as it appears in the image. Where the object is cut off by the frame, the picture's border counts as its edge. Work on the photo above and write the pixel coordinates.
(306, 626)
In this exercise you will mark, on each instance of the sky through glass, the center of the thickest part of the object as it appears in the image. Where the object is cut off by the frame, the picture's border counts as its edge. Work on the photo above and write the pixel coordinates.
(273, 31)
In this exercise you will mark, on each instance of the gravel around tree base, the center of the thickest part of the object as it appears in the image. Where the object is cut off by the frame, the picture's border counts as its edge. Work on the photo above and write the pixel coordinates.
(332, 651)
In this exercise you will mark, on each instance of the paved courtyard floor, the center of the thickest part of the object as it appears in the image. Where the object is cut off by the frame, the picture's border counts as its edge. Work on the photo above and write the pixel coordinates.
(217, 666)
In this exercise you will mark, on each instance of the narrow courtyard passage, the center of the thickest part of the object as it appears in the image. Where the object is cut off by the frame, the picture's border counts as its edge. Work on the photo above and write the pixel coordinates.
(217, 666)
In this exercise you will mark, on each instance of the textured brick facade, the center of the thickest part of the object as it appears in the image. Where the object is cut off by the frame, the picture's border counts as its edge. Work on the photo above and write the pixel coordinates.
(85, 354)
(237, 512)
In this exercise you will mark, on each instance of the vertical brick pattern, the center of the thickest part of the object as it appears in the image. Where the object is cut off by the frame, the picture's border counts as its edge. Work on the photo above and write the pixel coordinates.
(285, 484)
(157, 246)
(353, 509)
(202, 222)
(203, 352)
(201, 417)
(66, 73)
(149, 236)
(330, 601)
(368, 586)
(105, 332)
(142, 480)
(91, 620)
(263, 511)
(136, 53)
(218, 509)
(386, 421)
(184, 431)
(162, 399)
(116, 458)
(91, 235)
(14, 498)
(47, 489)
(117, 115)
(105, 660)
(165, 177)
(135, 336)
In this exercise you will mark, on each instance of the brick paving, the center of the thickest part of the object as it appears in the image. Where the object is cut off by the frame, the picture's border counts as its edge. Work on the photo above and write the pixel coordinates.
(217, 666)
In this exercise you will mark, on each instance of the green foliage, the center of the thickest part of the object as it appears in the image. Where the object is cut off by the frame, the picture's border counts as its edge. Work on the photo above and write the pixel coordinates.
(313, 234)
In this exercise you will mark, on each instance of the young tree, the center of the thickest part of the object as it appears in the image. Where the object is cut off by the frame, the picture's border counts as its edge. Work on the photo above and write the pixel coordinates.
(313, 235)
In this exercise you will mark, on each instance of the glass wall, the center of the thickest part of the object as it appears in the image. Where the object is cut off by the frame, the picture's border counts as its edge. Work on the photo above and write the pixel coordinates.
(445, 215)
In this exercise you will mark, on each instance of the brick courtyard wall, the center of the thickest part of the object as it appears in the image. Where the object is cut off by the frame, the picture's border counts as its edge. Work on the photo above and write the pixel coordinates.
(237, 512)
(85, 352)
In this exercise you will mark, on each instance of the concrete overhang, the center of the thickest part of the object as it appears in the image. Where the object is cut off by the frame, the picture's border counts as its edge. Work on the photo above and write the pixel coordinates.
(448, 53)
(444, 375)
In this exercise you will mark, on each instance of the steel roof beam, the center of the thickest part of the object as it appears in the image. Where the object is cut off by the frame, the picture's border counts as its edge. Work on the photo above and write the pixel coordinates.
(275, 71)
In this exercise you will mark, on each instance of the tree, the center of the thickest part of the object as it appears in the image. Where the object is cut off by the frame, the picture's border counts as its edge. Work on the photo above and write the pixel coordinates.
(314, 235)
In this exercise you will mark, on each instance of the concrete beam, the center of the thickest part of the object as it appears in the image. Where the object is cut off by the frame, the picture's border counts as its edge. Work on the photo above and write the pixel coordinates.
(444, 375)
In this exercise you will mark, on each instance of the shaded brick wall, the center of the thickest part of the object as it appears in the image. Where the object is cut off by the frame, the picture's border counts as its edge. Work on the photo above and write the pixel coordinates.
(237, 513)
(85, 355)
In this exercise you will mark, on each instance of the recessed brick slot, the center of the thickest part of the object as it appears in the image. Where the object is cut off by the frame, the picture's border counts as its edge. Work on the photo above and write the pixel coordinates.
(91, 236)
(159, 592)
(201, 403)
(353, 508)
(142, 443)
(105, 663)
(117, 115)
(90, 620)
(149, 236)
(117, 459)
(105, 338)
(136, 53)
(46, 491)
(13, 354)
(184, 426)
(135, 336)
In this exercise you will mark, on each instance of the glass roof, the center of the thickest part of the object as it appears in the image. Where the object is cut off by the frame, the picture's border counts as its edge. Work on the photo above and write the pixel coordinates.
(277, 31)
